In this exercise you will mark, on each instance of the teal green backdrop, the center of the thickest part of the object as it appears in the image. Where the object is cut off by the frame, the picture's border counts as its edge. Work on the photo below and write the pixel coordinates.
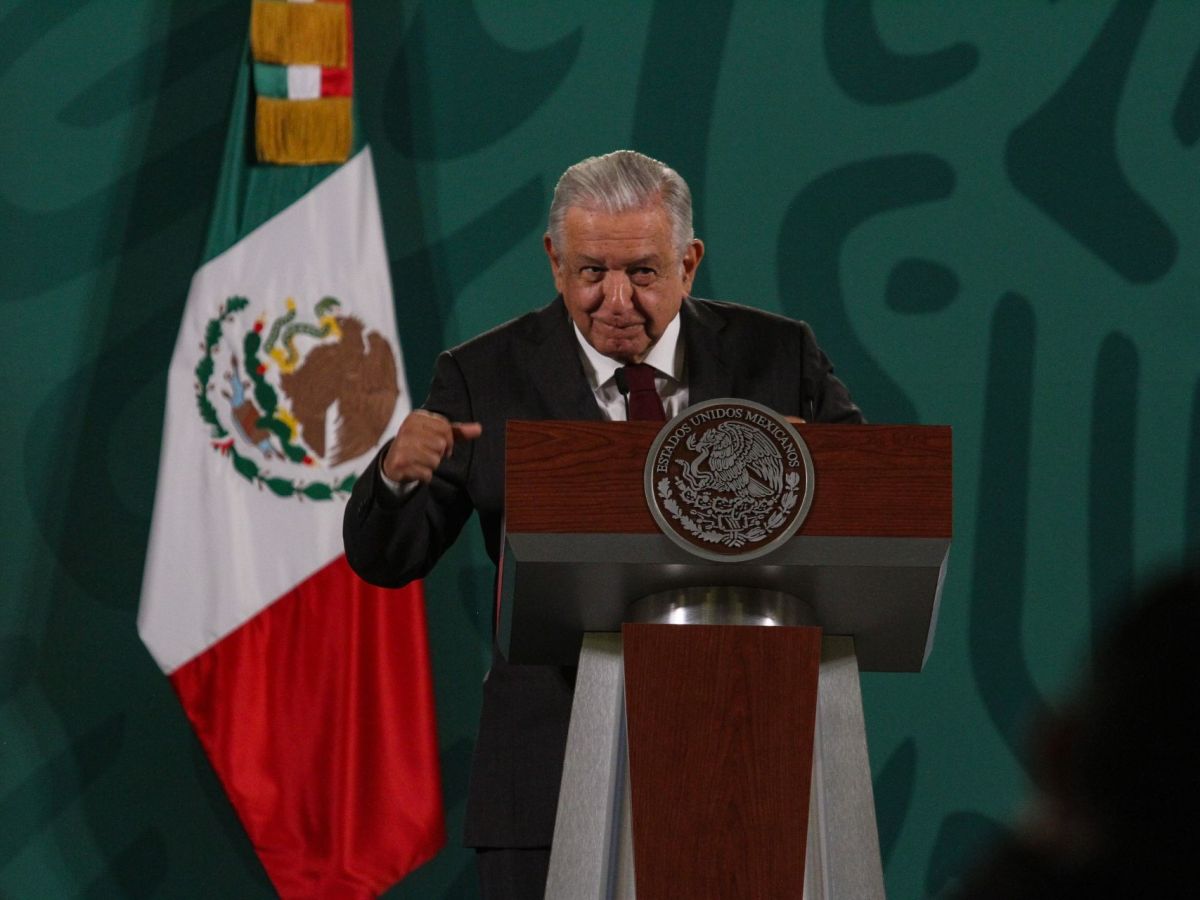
(989, 211)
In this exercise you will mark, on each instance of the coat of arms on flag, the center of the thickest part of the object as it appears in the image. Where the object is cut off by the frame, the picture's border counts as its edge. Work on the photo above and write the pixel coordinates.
(290, 399)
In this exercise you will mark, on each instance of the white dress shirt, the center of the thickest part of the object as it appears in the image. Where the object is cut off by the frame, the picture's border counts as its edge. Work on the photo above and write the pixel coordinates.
(665, 356)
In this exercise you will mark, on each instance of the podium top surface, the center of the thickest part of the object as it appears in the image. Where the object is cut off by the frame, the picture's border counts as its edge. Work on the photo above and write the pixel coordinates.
(586, 478)
(581, 544)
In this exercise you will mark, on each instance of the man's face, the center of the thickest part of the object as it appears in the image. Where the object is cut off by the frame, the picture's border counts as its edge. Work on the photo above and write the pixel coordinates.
(621, 277)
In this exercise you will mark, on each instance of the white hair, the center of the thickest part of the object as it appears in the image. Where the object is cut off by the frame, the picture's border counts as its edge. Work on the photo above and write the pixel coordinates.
(618, 182)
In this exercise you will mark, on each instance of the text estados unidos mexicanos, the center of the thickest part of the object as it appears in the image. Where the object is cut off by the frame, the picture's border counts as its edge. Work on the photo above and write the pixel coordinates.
(665, 452)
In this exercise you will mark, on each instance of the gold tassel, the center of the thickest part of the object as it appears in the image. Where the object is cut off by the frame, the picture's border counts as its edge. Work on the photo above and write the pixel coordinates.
(295, 34)
(303, 132)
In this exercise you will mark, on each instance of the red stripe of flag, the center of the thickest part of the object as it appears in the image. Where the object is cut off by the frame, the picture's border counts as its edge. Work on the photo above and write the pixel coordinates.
(340, 82)
(322, 731)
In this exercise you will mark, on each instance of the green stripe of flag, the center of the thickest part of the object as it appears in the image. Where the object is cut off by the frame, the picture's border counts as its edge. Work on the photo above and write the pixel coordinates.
(249, 193)
(270, 80)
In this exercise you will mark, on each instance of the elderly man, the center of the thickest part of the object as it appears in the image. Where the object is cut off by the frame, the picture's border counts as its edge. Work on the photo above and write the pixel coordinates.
(622, 340)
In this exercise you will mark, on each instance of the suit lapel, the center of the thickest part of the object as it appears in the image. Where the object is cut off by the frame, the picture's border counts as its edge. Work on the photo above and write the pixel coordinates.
(558, 375)
(556, 371)
(708, 376)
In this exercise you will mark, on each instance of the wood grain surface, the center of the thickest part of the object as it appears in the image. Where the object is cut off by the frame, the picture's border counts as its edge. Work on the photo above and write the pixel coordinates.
(586, 478)
(720, 757)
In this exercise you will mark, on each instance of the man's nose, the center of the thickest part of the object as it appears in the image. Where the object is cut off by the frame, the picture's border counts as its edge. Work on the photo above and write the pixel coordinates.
(618, 290)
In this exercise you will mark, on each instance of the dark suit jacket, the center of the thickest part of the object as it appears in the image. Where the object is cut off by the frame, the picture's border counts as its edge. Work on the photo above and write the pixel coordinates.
(529, 368)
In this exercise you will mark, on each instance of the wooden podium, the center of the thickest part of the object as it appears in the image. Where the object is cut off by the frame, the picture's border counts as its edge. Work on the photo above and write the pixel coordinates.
(720, 759)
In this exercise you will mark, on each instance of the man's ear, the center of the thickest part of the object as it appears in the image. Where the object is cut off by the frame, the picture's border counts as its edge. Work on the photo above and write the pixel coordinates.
(555, 263)
(691, 262)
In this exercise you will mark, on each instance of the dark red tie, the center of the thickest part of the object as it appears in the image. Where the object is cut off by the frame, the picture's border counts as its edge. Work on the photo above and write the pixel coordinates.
(644, 405)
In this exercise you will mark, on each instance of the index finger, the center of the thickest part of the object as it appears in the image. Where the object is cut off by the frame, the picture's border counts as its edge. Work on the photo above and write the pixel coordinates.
(466, 431)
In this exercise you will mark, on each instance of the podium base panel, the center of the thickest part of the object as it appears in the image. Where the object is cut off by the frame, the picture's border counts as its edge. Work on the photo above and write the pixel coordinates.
(592, 857)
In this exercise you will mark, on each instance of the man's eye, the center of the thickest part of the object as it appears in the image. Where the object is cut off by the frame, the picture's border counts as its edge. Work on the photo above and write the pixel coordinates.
(643, 275)
(592, 273)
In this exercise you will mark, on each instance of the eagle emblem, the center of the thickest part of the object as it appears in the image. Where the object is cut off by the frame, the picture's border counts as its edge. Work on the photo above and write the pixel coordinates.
(292, 399)
(729, 479)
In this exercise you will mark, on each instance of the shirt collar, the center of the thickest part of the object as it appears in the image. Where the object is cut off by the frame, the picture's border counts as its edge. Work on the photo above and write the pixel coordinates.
(665, 356)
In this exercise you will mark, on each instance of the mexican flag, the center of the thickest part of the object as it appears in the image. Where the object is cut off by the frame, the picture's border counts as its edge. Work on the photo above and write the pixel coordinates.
(309, 690)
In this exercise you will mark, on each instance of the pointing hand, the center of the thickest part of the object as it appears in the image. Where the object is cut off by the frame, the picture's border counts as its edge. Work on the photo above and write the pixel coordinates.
(422, 442)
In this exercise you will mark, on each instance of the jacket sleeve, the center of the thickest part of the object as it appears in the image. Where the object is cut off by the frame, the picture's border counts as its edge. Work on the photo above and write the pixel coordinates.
(826, 398)
(392, 540)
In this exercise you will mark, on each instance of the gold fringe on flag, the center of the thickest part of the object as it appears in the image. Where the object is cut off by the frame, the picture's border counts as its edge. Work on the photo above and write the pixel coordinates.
(298, 34)
(303, 132)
